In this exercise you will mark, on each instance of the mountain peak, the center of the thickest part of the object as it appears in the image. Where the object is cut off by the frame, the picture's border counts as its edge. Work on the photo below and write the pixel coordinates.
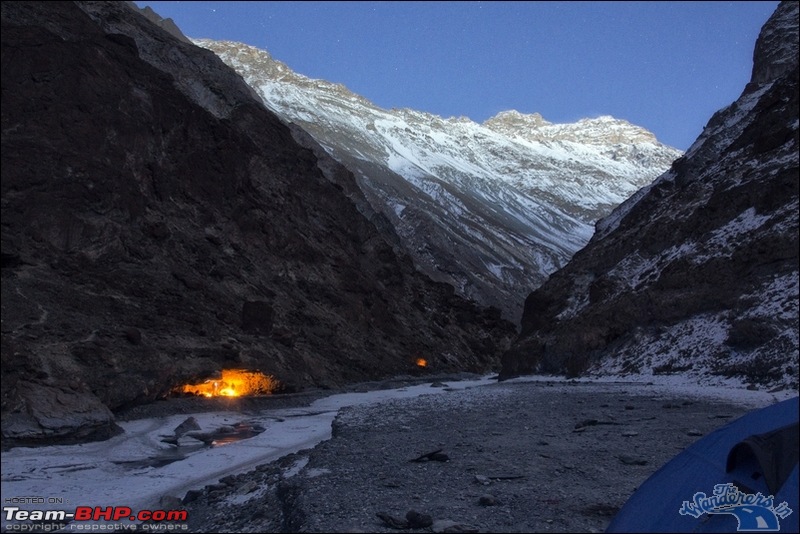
(776, 50)
(602, 130)
(249, 59)
(514, 117)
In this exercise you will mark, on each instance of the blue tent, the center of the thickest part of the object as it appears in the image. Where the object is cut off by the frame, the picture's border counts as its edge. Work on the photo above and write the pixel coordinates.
(714, 485)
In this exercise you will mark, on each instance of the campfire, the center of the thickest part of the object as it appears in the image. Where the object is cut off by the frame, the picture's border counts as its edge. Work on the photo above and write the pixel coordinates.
(233, 383)
(421, 362)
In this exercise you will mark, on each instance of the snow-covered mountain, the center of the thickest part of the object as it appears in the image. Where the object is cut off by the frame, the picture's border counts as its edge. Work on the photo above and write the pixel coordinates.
(492, 208)
(697, 273)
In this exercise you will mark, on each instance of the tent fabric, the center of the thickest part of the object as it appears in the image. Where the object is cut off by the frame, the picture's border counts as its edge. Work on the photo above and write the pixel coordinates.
(772, 455)
(749, 441)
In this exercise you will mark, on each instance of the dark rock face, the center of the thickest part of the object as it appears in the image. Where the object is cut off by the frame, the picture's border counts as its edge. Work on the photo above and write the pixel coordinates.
(159, 224)
(697, 273)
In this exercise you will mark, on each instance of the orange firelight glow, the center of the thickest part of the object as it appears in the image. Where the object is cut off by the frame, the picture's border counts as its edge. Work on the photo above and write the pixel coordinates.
(234, 383)
(422, 362)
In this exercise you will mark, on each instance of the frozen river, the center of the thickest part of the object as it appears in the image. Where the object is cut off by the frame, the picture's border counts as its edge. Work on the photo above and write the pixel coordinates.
(137, 468)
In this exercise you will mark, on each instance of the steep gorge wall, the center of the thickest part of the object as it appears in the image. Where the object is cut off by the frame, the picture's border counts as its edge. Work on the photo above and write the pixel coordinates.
(697, 273)
(159, 224)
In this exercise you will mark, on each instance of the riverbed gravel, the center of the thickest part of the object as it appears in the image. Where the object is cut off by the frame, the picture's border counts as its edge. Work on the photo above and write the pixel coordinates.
(509, 457)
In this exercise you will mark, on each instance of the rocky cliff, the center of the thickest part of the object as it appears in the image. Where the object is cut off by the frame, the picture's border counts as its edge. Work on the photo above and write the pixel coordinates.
(159, 224)
(491, 208)
(698, 272)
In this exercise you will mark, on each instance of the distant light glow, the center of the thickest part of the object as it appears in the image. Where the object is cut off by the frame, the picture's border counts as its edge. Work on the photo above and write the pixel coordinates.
(233, 383)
